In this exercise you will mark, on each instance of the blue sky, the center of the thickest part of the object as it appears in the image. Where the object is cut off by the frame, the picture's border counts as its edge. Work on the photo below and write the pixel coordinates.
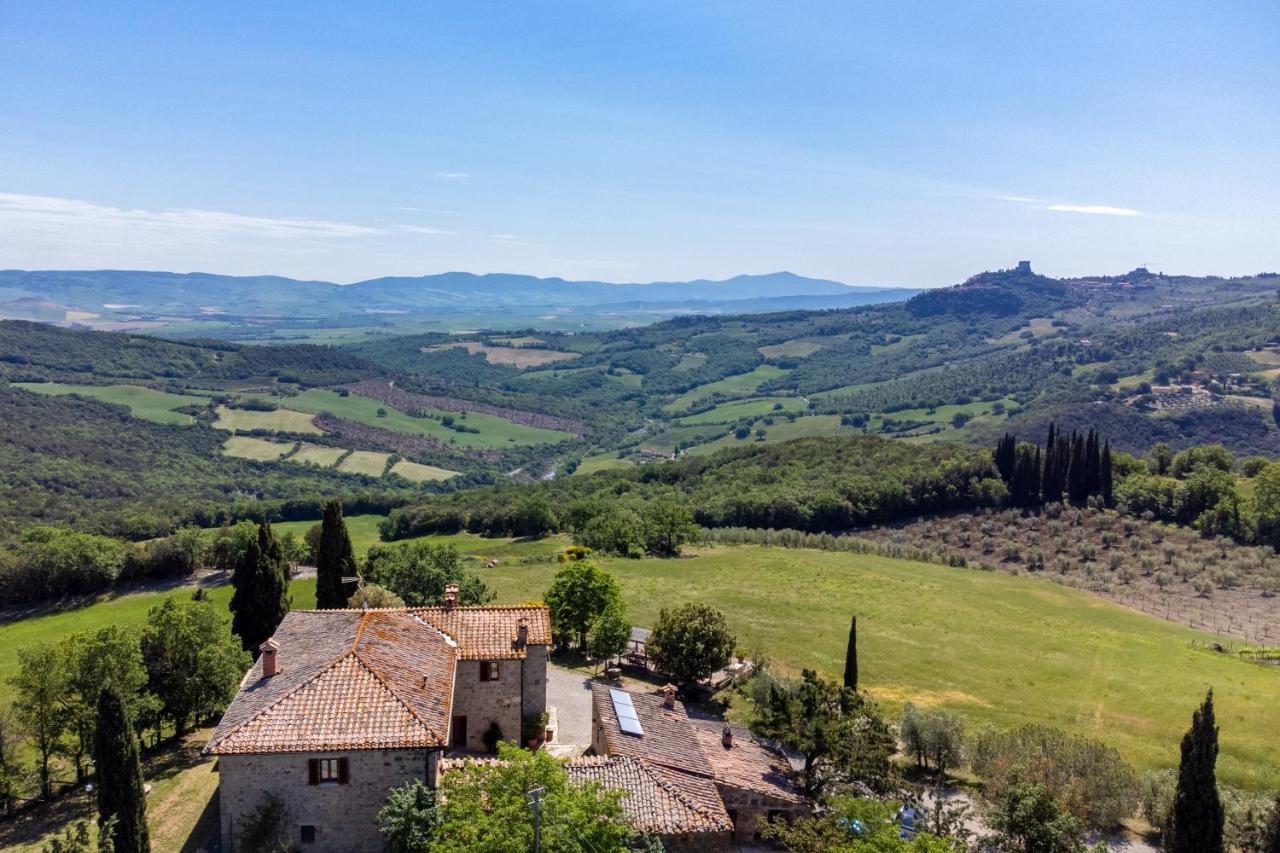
(893, 143)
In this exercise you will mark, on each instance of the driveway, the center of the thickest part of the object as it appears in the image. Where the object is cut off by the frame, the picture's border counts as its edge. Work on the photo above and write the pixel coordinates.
(570, 693)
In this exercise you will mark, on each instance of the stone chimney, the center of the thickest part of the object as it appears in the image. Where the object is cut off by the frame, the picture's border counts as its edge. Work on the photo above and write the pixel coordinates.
(726, 737)
(669, 696)
(451, 596)
(522, 633)
(270, 657)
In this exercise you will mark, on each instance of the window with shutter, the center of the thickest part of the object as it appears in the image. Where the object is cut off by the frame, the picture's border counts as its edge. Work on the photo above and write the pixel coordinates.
(344, 772)
(313, 771)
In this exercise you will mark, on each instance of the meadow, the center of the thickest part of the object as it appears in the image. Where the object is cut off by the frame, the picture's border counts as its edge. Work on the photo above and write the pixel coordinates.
(494, 432)
(729, 412)
(146, 403)
(280, 420)
(257, 449)
(739, 385)
(999, 649)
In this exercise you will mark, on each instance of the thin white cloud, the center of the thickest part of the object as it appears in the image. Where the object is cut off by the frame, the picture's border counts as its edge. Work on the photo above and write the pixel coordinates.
(426, 229)
(453, 176)
(1088, 209)
(76, 219)
(1095, 209)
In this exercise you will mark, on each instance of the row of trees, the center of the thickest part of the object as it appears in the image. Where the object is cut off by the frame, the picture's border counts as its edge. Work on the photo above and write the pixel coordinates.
(181, 667)
(1073, 467)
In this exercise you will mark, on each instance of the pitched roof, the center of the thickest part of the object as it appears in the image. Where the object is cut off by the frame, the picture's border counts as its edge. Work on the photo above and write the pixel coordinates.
(489, 633)
(374, 679)
(668, 738)
(748, 764)
(655, 799)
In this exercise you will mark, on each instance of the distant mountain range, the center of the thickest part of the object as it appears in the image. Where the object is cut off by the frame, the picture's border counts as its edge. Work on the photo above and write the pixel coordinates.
(109, 298)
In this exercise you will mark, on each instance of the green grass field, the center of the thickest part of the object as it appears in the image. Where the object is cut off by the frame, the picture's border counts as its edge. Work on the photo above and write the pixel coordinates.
(145, 403)
(281, 420)
(997, 648)
(418, 473)
(729, 412)
(793, 349)
(367, 462)
(740, 385)
(494, 431)
(258, 449)
(601, 462)
(314, 454)
(781, 430)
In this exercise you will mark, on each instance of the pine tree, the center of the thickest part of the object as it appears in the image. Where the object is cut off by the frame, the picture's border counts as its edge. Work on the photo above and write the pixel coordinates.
(261, 598)
(1196, 819)
(334, 559)
(1108, 490)
(851, 657)
(122, 803)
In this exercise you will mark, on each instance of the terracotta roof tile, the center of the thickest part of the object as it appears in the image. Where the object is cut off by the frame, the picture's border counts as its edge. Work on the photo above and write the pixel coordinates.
(748, 764)
(668, 738)
(654, 799)
(489, 633)
(373, 679)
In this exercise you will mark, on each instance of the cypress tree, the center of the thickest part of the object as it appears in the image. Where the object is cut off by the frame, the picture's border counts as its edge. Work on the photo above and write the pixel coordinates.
(1196, 819)
(1107, 482)
(1050, 485)
(261, 598)
(1077, 474)
(334, 559)
(119, 784)
(1006, 456)
(851, 657)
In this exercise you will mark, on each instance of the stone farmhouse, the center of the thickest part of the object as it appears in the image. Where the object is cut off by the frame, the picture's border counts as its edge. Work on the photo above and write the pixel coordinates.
(343, 705)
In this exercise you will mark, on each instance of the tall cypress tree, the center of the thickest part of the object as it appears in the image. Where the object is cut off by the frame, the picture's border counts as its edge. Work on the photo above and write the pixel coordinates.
(120, 792)
(1050, 484)
(1006, 456)
(1108, 486)
(261, 598)
(851, 657)
(334, 560)
(1195, 821)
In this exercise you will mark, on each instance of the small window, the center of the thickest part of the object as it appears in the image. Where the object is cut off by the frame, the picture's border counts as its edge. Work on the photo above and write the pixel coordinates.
(327, 771)
(488, 670)
(308, 834)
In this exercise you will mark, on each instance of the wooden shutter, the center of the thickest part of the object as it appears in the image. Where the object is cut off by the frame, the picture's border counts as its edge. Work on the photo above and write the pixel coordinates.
(313, 771)
(344, 772)
(484, 670)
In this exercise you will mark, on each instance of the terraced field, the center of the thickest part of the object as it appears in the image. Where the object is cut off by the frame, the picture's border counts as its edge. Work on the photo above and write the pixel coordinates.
(418, 473)
(280, 420)
(145, 403)
(258, 449)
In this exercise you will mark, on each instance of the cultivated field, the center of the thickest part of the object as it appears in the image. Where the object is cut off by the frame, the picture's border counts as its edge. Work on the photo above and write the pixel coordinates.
(494, 432)
(280, 420)
(780, 430)
(513, 356)
(258, 449)
(146, 403)
(314, 454)
(790, 349)
(418, 473)
(367, 462)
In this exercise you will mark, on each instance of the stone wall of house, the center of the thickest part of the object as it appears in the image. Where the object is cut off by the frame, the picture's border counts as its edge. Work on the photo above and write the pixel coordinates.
(521, 688)
(344, 816)
(697, 842)
(748, 808)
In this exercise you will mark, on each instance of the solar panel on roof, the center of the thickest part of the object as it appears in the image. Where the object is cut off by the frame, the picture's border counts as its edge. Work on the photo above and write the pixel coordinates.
(628, 721)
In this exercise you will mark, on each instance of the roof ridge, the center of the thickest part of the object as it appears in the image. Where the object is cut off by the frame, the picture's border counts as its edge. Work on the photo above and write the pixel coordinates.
(377, 676)
(297, 688)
